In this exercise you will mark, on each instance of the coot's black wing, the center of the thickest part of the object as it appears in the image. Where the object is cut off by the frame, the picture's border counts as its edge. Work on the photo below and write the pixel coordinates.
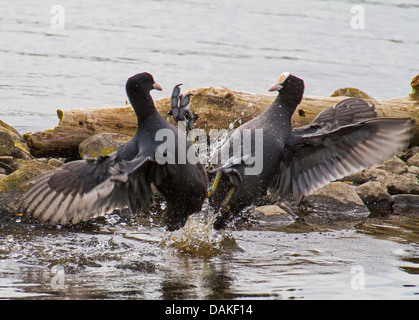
(183, 185)
(54, 192)
(129, 185)
(345, 112)
(85, 189)
(313, 160)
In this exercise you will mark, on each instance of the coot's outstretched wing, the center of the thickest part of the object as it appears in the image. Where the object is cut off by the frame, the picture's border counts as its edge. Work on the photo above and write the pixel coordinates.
(345, 112)
(129, 185)
(313, 160)
(84, 190)
(54, 192)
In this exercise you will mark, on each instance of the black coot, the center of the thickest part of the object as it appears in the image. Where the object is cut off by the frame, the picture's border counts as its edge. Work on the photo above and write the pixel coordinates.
(341, 140)
(84, 189)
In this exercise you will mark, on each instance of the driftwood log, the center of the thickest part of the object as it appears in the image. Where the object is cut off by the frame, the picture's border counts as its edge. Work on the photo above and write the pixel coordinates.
(217, 108)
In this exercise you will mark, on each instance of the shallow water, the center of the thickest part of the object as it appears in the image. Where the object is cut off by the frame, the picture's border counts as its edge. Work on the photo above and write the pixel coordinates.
(134, 258)
(202, 43)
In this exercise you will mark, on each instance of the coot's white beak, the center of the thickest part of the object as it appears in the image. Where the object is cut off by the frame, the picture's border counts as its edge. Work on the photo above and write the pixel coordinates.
(276, 87)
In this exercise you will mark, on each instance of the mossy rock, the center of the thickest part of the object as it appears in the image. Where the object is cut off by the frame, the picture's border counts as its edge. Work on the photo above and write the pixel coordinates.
(22, 146)
(6, 144)
(13, 182)
(55, 162)
(12, 188)
(10, 130)
(16, 149)
(21, 151)
(102, 144)
(11, 143)
(351, 92)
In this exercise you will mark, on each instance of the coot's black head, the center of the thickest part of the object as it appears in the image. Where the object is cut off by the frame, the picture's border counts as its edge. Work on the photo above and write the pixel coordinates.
(138, 89)
(141, 82)
(289, 87)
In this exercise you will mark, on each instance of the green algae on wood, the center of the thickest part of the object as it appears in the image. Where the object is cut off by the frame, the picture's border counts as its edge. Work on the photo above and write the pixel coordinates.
(415, 88)
(351, 92)
(216, 107)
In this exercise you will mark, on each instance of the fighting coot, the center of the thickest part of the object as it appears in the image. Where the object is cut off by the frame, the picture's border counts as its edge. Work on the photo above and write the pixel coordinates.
(84, 189)
(341, 140)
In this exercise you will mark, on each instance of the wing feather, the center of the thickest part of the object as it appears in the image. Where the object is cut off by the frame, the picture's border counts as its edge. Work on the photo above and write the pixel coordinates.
(313, 161)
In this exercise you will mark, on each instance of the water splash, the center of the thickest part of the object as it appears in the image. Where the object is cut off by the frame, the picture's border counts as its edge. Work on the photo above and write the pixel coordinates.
(198, 237)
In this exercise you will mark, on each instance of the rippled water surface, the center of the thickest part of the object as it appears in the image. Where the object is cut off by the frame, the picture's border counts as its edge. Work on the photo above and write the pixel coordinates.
(243, 45)
(134, 258)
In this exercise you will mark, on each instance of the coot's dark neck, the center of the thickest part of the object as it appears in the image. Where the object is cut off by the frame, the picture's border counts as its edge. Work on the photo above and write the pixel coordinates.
(283, 107)
(143, 105)
(288, 99)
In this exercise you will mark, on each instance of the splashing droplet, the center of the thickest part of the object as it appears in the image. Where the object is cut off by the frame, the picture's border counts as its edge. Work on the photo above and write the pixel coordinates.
(198, 237)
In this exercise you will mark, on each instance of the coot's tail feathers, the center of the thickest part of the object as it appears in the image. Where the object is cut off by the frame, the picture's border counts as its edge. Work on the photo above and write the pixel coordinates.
(54, 192)
(345, 112)
(314, 160)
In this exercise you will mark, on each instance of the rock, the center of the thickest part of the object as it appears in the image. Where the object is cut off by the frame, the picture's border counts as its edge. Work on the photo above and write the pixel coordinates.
(6, 144)
(375, 196)
(14, 180)
(11, 131)
(394, 165)
(7, 164)
(406, 183)
(11, 143)
(350, 92)
(414, 160)
(21, 151)
(55, 162)
(101, 144)
(12, 164)
(408, 153)
(11, 188)
(368, 174)
(406, 204)
(273, 216)
(396, 183)
(356, 178)
(336, 201)
(395, 175)
(413, 170)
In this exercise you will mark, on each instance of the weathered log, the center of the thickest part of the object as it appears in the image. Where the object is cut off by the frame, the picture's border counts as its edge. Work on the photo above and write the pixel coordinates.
(217, 108)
